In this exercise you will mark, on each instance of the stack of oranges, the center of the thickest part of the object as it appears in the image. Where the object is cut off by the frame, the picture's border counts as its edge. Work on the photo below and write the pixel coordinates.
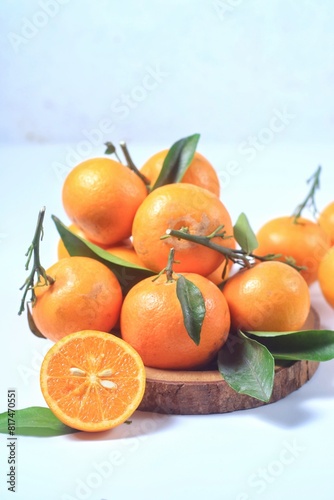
(109, 205)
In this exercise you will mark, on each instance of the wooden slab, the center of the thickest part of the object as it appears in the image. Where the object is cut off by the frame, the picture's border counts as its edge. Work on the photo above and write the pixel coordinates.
(205, 392)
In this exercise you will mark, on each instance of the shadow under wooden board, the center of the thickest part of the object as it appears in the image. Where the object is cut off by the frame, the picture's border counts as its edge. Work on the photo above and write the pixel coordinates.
(204, 392)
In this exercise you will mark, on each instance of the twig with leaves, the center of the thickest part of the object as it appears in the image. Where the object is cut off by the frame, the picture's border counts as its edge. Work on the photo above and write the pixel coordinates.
(244, 235)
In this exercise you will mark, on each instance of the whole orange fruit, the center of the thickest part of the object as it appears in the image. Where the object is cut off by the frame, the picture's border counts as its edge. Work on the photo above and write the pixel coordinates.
(303, 240)
(326, 276)
(85, 295)
(92, 381)
(326, 221)
(270, 296)
(152, 322)
(200, 171)
(101, 197)
(180, 206)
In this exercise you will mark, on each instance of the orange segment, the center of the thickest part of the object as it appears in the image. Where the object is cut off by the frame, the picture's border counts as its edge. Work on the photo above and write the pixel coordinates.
(92, 381)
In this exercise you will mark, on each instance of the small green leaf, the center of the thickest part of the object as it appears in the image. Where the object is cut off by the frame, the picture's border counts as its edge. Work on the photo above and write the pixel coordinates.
(34, 421)
(244, 234)
(177, 161)
(311, 345)
(128, 274)
(110, 148)
(193, 307)
(247, 366)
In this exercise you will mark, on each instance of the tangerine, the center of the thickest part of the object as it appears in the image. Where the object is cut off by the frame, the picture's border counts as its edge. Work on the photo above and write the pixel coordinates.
(326, 221)
(326, 276)
(101, 197)
(85, 294)
(92, 381)
(303, 240)
(152, 322)
(185, 207)
(270, 296)
(200, 171)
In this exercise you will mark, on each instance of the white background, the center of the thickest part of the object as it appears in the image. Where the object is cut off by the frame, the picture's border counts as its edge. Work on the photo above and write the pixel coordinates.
(224, 66)
(216, 456)
(229, 74)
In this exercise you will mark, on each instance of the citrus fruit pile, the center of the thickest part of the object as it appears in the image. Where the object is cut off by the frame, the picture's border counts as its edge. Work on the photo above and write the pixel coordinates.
(143, 278)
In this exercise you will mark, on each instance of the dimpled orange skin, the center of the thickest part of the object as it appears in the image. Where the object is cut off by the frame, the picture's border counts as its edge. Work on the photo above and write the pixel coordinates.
(85, 296)
(200, 171)
(326, 276)
(326, 221)
(271, 296)
(101, 197)
(175, 206)
(152, 322)
(305, 241)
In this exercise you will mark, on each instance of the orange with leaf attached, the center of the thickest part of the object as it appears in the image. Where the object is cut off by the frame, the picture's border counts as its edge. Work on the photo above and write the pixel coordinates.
(297, 238)
(200, 172)
(152, 322)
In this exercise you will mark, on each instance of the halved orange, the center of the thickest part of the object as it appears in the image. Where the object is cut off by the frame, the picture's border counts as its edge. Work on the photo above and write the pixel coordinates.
(92, 381)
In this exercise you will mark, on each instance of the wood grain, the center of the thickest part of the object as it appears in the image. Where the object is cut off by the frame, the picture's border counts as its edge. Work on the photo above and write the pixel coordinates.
(205, 392)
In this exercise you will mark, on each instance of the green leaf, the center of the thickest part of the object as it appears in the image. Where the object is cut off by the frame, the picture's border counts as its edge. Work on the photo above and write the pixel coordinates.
(110, 148)
(34, 421)
(177, 161)
(244, 234)
(193, 307)
(247, 366)
(311, 345)
(128, 274)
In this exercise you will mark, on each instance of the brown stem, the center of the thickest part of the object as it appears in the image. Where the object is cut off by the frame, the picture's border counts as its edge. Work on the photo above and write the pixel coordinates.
(111, 150)
(131, 165)
(169, 268)
(239, 256)
(37, 269)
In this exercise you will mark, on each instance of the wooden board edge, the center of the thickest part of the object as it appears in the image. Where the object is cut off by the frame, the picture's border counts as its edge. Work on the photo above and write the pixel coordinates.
(193, 398)
(205, 392)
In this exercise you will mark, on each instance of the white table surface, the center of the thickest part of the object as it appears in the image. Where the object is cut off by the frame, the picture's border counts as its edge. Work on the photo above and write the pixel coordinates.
(283, 450)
